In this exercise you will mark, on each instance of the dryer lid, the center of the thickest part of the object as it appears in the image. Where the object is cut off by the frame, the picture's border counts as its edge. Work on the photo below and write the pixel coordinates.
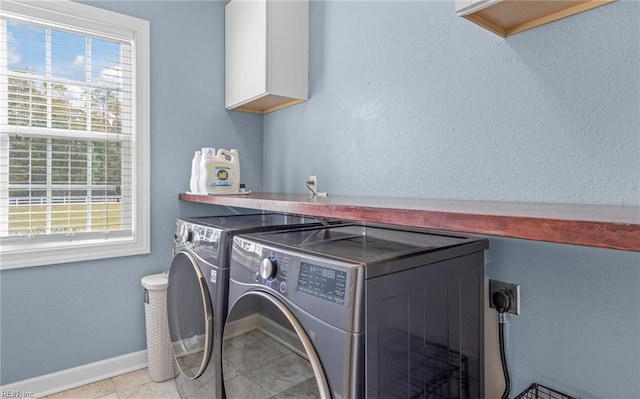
(364, 243)
(250, 221)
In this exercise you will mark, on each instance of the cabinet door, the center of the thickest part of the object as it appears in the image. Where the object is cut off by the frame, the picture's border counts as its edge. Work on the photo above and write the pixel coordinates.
(245, 50)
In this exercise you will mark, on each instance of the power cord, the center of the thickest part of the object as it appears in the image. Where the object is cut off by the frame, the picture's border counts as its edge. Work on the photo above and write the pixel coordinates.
(501, 300)
(311, 185)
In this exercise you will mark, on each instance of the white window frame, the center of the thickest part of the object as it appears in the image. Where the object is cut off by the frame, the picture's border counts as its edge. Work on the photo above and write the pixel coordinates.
(45, 250)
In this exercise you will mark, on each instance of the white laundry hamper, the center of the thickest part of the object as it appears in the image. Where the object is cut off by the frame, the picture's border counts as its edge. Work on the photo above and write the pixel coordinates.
(161, 364)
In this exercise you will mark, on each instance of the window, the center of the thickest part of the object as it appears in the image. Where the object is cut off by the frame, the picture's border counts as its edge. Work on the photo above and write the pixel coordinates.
(74, 133)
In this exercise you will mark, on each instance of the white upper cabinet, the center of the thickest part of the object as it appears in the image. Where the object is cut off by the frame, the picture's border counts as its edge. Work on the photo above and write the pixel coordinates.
(266, 54)
(507, 17)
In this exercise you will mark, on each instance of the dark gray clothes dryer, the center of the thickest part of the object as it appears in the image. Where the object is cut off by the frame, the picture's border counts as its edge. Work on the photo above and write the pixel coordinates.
(197, 293)
(355, 311)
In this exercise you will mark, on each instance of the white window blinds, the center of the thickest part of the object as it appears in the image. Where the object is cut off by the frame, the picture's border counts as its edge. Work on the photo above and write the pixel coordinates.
(68, 131)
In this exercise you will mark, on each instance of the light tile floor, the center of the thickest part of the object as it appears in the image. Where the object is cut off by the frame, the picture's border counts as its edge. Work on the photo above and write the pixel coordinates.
(135, 385)
(289, 376)
(260, 367)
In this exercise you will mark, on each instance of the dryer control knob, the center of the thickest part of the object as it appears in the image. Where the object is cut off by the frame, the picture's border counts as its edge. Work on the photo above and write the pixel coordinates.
(195, 240)
(267, 268)
(187, 235)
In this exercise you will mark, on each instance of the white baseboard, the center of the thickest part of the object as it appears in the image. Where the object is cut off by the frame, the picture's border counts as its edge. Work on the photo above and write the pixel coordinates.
(196, 344)
(282, 335)
(77, 376)
(241, 326)
(274, 330)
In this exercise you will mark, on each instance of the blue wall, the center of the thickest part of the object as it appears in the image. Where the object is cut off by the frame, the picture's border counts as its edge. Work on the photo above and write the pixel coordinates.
(579, 328)
(61, 316)
(409, 100)
(406, 100)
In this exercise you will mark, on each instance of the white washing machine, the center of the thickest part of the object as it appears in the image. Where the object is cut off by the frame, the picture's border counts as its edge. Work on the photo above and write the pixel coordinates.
(355, 311)
(197, 293)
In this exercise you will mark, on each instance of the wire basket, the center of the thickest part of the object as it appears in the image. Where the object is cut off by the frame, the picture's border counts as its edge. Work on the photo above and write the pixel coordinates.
(537, 391)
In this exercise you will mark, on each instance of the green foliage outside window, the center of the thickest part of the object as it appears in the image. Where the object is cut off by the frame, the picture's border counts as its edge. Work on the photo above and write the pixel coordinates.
(69, 171)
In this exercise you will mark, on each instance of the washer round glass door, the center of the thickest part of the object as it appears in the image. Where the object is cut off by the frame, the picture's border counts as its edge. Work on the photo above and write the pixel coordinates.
(266, 352)
(189, 314)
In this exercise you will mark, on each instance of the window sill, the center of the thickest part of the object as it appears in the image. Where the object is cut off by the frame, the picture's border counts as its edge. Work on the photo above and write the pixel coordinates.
(19, 256)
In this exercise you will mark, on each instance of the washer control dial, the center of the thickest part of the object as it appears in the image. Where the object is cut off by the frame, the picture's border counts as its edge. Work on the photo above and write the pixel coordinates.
(195, 240)
(268, 268)
(187, 235)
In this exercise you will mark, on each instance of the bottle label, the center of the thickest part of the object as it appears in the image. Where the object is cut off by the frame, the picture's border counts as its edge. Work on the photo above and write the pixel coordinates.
(221, 177)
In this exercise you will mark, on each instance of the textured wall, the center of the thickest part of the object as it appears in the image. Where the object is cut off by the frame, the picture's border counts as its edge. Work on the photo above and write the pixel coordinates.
(406, 100)
(579, 328)
(62, 316)
(409, 100)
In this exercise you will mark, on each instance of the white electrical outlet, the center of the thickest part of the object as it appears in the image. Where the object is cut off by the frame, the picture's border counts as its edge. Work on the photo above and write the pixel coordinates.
(312, 185)
(313, 182)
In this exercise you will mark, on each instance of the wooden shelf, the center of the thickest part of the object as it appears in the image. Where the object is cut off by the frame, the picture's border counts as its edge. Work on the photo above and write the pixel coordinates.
(508, 17)
(603, 226)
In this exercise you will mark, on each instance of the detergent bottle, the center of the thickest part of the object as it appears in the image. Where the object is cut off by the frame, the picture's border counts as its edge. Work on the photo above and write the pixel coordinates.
(195, 173)
(220, 174)
(205, 154)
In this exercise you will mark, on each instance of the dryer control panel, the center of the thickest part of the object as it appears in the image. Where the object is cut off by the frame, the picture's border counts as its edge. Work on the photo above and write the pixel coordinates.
(322, 282)
(204, 240)
(318, 278)
(329, 289)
